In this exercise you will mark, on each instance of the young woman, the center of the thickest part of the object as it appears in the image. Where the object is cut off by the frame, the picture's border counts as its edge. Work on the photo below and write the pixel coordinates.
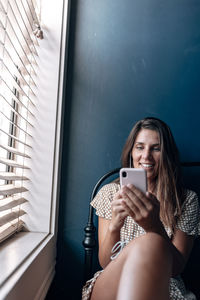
(145, 239)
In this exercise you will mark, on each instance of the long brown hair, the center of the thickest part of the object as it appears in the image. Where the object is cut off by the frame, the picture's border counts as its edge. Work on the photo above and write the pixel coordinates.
(168, 182)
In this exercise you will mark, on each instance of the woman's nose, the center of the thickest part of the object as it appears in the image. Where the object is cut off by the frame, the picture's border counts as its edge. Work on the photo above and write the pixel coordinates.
(146, 154)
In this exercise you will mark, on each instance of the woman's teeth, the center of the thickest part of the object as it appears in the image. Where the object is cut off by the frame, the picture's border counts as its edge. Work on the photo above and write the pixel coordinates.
(147, 165)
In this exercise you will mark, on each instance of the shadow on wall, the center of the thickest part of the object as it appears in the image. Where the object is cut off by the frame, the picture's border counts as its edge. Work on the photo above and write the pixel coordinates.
(66, 284)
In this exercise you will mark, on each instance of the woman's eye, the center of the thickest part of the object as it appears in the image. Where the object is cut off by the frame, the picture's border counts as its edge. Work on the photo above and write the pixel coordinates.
(156, 149)
(139, 147)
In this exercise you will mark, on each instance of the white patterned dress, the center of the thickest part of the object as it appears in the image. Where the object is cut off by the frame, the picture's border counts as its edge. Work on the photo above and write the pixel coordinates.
(189, 223)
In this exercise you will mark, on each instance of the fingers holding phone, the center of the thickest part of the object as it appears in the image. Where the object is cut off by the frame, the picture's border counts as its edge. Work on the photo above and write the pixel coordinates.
(119, 213)
(142, 206)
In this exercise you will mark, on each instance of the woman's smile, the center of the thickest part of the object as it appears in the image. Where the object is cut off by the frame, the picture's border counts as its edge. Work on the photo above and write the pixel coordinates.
(146, 153)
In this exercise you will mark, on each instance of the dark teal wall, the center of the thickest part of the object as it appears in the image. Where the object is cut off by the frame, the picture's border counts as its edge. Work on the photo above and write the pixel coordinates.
(127, 60)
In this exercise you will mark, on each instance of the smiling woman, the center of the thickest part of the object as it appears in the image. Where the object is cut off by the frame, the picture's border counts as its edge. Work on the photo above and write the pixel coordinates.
(156, 229)
(167, 179)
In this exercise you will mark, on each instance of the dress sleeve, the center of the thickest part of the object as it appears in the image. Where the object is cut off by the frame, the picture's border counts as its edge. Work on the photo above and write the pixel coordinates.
(189, 221)
(103, 199)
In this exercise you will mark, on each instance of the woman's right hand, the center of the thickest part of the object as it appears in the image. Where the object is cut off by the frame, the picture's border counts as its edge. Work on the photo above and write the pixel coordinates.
(118, 213)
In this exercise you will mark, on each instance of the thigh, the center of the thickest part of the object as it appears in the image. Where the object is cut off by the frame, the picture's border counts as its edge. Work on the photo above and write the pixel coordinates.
(147, 246)
(106, 286)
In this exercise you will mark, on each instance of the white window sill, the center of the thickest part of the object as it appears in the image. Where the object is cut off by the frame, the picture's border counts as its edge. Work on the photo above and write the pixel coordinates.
(16, 257)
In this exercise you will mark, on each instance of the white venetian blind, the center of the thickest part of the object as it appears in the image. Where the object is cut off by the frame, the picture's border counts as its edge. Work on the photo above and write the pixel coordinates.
(18, 72)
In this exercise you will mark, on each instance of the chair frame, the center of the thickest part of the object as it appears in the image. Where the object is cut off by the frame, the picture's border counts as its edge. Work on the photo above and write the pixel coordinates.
(89, 241)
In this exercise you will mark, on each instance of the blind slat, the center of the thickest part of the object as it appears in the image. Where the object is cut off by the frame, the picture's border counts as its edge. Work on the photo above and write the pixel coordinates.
(7, 76)
(11, 217)
(12, 163)
(19, 103)
(14, 151)
(10, 63)
(32, 12)
(9, 28)
(26, 32)
(13, 204)
(15, 125)
(13, 93)
(2, 7)
(11, 176)
(12, 229)
(15, 138)
(20, 57)
(10, 189)
(12, 60)
(22, 63)
(10, 52)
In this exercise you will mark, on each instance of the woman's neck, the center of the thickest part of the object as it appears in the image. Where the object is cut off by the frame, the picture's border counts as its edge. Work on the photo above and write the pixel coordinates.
(152, 187)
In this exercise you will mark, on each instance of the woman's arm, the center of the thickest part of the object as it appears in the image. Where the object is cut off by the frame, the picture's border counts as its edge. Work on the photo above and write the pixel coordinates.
(107, 239)
(109, 230)
(183, 244)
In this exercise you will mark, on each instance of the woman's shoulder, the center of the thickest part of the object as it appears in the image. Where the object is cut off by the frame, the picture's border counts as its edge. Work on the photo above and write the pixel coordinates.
(190, 194)
(189, 220)
(102, 201)
(190, 198)
(111, 187)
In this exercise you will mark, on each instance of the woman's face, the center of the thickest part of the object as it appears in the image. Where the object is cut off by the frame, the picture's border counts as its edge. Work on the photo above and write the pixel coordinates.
(146, 153)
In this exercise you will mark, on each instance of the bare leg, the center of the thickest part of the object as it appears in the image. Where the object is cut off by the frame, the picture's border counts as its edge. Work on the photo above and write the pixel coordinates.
(146, 273)
(141, 272)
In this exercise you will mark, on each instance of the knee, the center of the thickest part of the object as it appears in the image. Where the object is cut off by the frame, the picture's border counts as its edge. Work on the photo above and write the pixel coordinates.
(152, 241)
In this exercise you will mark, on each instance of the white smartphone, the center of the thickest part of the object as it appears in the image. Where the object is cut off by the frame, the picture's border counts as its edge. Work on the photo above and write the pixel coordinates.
(134, 176)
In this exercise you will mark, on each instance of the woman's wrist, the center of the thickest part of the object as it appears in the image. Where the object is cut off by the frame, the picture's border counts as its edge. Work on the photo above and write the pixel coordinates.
(112, 237)
(113, 229)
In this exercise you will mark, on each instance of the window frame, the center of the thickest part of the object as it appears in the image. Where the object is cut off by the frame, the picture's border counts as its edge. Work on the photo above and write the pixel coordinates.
(33, 252)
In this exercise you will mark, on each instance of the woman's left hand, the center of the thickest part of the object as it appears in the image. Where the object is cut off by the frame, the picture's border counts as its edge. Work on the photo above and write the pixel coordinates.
(143, 208)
